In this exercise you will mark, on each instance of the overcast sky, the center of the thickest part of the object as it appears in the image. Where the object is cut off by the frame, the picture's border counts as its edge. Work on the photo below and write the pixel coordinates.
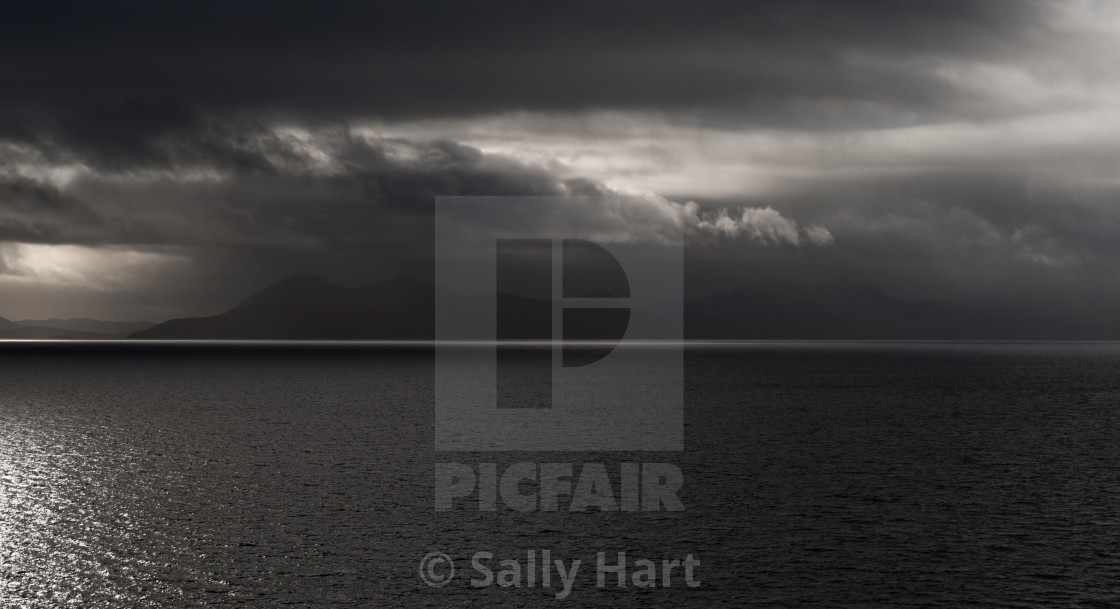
(167, 159)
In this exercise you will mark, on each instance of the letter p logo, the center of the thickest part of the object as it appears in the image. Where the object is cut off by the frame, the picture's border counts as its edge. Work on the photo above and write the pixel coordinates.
(550, 338)
(593, 295)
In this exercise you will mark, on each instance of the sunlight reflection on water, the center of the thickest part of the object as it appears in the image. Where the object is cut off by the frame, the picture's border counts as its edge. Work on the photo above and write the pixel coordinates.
(828, 474)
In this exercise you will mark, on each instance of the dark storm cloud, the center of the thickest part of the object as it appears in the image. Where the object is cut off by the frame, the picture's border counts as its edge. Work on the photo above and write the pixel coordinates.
(920, 146)
(256, 189)
(113, 74)
(228, 208)
(246, 204)
(37, 213)
(939, 234)
(337, 191)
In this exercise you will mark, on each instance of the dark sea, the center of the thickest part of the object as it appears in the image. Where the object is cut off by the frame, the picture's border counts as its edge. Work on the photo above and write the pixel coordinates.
(816, 475)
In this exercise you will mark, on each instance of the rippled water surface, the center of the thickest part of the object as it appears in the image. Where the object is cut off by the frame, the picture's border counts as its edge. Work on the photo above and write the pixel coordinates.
(833, 475)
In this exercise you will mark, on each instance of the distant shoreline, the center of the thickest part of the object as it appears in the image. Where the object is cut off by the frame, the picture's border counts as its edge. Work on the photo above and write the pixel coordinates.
(365, 344)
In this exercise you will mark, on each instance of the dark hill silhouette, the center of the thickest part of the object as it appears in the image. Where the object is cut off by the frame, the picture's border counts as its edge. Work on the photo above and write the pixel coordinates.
(787, 311)
(852, 311)
(117, 329)
(83, 328)
(19, 332)
(307, 307)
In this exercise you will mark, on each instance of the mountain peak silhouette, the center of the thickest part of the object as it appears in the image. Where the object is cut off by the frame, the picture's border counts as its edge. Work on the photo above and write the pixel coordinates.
(301, 288)
(308, 307)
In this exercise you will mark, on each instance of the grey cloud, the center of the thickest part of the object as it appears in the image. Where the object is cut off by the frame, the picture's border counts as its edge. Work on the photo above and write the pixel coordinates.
(247, 186)
(116, 75)
(363, 192)
(948, 235)
(323, 201)
(39, 213)
(763, 225)
(231, 134)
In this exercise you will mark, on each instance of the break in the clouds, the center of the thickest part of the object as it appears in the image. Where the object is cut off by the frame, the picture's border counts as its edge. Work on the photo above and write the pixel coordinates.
(164, 159)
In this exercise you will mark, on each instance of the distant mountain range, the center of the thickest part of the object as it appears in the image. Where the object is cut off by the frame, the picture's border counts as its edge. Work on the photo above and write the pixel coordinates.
(81, 328)
(855, 311)
(308, 307)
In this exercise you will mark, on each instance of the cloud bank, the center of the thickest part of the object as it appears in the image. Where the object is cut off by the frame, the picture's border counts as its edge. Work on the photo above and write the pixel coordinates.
(933, 149)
